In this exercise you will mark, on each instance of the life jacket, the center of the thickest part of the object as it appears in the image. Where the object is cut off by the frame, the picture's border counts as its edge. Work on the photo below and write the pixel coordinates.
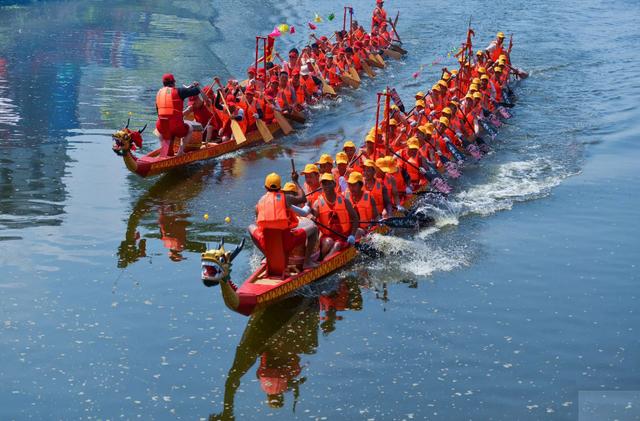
(497, 51)
(333, 215)
(376, 194)
(363, 207)
(201, 114)
(332, 74)
(301, 94)
(169, 103)
(442, 145)
(268, 115)
(313, 196)
(357, 63)
(272, 212)
(249, 111)
(310, 85)
(410, 166)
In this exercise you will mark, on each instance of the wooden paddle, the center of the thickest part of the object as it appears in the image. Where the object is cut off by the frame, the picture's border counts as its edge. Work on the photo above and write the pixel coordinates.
(326, 88)
(365, 248)
(372, 60)
(282, 122)
(238, 134)
(261, 125)
(396, 55)
(367, 69)
(347, 80)
(354, 74)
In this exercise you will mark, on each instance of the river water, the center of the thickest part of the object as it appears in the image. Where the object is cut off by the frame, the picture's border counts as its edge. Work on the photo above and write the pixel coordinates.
(522, 302)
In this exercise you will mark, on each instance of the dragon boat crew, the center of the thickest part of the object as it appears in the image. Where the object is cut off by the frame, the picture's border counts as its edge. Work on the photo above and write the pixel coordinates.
(201, 107)
(337, 220)
(362, 202)
(376, 189)
(312, 185)
(169, 106)
(275, 211)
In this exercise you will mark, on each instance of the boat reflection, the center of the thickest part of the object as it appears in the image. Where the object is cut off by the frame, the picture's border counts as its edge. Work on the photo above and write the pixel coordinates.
(277, 336)
(169, 199)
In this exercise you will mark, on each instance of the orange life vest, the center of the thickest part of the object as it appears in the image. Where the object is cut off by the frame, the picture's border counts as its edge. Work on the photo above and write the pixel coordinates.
(333, 215)
(272, 211)
(377, 195)
(363, 207)
(414, 174)
(169, 103)
(313, 196)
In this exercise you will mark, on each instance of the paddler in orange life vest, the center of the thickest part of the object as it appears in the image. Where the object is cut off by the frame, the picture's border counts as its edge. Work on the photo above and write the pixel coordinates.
(379, 18)
(340, 172)
(376, 188)
(277, 210)
(362, 202)
(312, 187)
(496, 48)
(350, 149)
(169, 105)
(337, 220)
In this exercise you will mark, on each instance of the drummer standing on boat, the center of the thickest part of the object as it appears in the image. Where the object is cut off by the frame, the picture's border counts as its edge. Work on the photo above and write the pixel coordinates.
(169, 105)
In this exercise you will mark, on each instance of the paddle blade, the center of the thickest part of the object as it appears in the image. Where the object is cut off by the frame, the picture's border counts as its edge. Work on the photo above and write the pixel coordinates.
(393, 54)
(354, 74)
(327, 89)
(367, 70)
(348, 81)
(380, 60)
(238, 134)
(283, 123)
(264, 131)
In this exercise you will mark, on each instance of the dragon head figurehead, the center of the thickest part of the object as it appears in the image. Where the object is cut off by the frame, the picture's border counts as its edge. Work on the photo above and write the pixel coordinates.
(125, 140)
(216, 264)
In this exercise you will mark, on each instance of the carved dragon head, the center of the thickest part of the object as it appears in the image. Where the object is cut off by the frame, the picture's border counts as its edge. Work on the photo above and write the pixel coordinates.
(125, 140)
(216, 264)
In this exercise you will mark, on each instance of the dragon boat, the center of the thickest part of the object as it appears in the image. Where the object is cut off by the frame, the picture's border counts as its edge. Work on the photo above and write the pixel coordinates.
(159, 161)
(279, 275)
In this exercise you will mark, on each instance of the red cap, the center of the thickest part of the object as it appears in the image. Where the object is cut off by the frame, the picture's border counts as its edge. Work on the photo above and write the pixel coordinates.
(168, 77)
(250, 90)
(323, 38)
(261, 71)
(274, 79)
(251, 69)
(230, 98)
(295, 72)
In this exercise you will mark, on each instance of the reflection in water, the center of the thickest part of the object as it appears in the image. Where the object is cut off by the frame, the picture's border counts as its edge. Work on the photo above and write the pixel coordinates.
(278, 335)
(169, 198)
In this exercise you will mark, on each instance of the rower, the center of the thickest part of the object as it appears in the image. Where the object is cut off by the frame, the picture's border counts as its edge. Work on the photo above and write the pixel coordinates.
(379, 18)
(311, 182)
(376, 189)
(350, 149)
(340, 172)
(337, 219)
(200, 106)
(274, 214)
(236, 113)
(496, 47)
(362, 202)
(169, 105)
(325, 163)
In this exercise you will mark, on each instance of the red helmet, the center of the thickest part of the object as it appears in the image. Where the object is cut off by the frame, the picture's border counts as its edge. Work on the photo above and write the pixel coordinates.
(168, 77)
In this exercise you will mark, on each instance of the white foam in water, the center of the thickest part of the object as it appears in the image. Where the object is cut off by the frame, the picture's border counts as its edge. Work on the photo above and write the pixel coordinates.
(419, 258)
(513, 182)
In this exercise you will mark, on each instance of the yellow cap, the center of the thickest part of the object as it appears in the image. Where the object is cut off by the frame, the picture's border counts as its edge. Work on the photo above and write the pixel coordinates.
(394, 107)
(290, 187)
(369, 163)
(420, 95)
(443, 83)
(475, 80)
(444, 121)
(446, 110)
(426, 129)
(370, 138)
(310, 168)
(484, 77)
(482, 70)
(435, 87)
(469, 95)
(327, 177)
(502, 57)
(473, 87)
(500, 35)
(355, 177)
(325, 158)
(454, 72)
(446, 76)
(479, 52)
(393, 122)
(390, 166)
(454, 103)
(419, 103)
(349, 144)
(497, 69)
(477, 95)
(273, 181)
(381, 163)
(342, 158)
(413, 143)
